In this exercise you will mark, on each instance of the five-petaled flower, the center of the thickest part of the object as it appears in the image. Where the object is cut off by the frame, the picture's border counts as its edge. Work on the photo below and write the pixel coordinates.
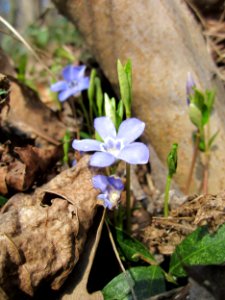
(111, 188)
(115, 146)
(74, 82)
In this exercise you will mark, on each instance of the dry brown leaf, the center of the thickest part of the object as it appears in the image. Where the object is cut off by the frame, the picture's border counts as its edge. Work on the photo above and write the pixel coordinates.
(77, 286)
(21, 167)
(42, 235)
(29, 116)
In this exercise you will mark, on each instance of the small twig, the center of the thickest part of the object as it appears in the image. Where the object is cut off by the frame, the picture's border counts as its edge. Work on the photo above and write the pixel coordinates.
(119, 260)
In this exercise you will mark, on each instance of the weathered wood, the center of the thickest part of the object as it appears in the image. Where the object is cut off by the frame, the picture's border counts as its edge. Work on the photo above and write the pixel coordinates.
(164, 43)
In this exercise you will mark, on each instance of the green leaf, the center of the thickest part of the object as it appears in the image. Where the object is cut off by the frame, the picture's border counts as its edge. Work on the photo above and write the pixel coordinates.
(99, 96)
(210, 99)
(198, 99)
(205, 115)
(133, 249)
(195, 115)
(172, 160)
(128, 70)
(91, 89)
(22, 68)
(199, 248)
(3, 92)
(124, 77)
(119, 113)
(3, 200)
(66, 146)
(110, 108)
(146, 282)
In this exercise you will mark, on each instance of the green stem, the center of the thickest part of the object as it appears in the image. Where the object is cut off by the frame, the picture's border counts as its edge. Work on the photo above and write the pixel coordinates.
(91, 112)
(207, 161)
(194, 157)
(128, 208)
(166, 197)
(85, 115)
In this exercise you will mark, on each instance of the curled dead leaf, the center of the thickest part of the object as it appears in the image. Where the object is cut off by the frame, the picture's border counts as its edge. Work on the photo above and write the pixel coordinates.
(47, 229)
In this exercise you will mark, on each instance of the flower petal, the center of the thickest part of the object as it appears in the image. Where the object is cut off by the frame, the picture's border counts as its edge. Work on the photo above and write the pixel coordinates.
(116, 183)
(58, 86)
(135, 153)
(106, 201)
(105, 127)
(71, 72)
(130, 130)
(86, 145)
(65, 94)
(102, 159)
(100, 182)
(83, 83)
(80, 71)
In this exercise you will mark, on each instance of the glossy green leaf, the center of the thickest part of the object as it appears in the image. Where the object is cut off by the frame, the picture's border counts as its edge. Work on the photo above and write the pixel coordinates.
(132, 249)
(146, 282)
(199, 248)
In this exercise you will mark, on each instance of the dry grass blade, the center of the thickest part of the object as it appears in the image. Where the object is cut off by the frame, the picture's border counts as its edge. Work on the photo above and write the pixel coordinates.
(26, 44)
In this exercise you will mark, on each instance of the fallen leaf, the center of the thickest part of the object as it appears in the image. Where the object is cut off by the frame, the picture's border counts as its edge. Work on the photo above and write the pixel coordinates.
(43, 234)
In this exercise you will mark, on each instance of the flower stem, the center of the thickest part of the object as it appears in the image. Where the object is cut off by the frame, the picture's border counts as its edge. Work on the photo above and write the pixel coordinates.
(194, 157)
(166, 197)
(206, 175)
(85, 115)
(128, 208)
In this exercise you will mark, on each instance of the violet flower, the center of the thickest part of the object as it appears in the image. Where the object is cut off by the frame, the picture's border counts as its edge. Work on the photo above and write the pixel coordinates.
(190, 85)
(111, 189)
(115, 146)
(74, 82)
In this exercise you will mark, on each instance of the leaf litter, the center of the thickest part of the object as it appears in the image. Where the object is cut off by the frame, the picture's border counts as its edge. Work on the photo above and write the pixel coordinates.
(56, 217)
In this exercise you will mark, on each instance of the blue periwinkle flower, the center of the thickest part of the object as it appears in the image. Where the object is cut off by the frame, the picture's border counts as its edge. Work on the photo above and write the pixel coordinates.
(74, 82)
(190, 85)
(115, 146)
(111, 188)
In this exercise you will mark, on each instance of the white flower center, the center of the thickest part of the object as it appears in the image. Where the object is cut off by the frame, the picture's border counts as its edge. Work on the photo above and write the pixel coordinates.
(112, 146)
(114, 197)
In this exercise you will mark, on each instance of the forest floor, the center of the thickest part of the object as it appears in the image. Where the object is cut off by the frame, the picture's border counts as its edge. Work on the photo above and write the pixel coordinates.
(35, 146)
